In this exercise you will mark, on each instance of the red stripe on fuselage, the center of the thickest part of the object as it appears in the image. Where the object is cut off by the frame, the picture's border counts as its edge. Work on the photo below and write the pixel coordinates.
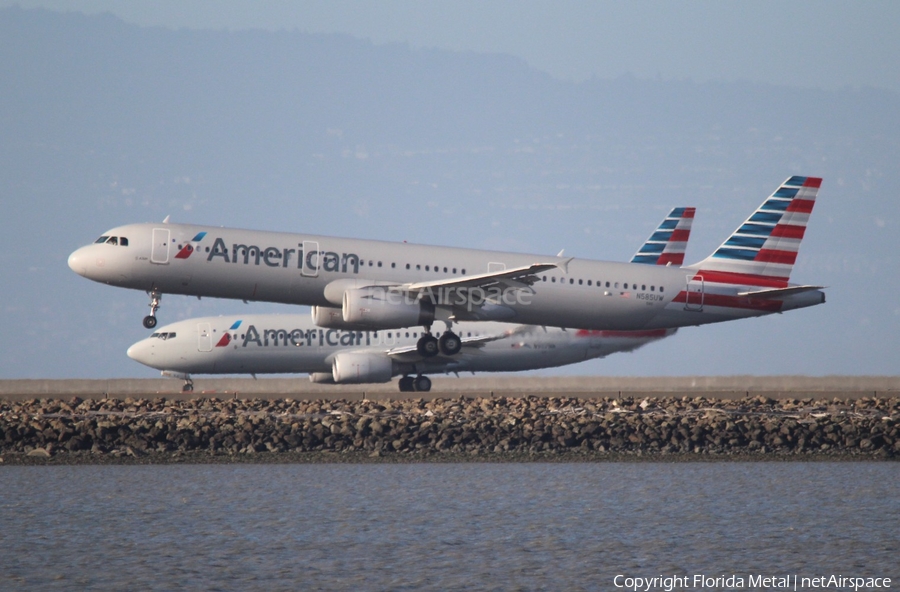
(741, 279)
(635, 334)
(742, 302)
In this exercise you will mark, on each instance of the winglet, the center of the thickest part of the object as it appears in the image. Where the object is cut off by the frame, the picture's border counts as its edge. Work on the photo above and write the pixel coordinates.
(561, 251)
(166, 221)
(564, 264)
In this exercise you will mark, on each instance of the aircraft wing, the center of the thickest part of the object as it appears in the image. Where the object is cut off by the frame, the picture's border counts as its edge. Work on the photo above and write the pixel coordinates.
(409, 353)
(516, 277)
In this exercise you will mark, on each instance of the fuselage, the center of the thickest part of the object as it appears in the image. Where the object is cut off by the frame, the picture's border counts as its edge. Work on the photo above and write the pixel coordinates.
(279, 343)
(315, 270)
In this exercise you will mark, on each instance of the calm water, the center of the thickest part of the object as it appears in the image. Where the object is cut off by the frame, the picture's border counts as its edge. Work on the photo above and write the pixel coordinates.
(441, 526)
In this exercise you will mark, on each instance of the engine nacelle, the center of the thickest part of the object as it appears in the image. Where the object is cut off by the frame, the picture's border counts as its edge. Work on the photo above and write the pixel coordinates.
(321, 377)
(361, 368)
(331, 318)
(379, 308)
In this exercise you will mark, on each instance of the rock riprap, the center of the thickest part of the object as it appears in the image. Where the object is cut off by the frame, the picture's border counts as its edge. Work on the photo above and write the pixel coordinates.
(496, 428)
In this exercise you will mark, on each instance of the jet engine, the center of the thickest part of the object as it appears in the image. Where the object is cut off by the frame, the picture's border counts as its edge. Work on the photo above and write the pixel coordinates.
(379, 308)
(331, 318)
(361, 368)
(321, 377)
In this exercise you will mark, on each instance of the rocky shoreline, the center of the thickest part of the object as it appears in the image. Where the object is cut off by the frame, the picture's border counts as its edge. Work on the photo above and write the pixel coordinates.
(506, 429)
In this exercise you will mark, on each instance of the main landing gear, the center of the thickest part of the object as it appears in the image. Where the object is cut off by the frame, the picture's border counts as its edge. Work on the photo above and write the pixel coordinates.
(188, 386)
(429, 346)
(415, 384)
(150, 319)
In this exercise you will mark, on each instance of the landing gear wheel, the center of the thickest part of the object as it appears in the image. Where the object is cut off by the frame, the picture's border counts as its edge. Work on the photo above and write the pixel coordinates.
(188, 388)
(422, 384)
(427, 346)
(450, 343)
(150, 319)
(406, 384)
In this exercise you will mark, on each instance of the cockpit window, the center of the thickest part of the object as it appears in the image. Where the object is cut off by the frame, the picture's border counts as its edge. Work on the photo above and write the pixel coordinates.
(163, 336)
(123, 242)
(102, 239)
(113, 240)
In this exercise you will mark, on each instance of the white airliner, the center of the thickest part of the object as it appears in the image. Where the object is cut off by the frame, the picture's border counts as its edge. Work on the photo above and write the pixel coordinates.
(359, 284)
(279, 343)
(258, 344)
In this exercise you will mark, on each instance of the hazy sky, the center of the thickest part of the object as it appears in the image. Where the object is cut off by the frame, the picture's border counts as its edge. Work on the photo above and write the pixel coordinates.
(818, 43)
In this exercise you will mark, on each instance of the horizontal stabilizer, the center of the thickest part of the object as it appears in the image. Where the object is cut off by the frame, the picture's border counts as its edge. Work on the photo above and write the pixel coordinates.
(781, 292)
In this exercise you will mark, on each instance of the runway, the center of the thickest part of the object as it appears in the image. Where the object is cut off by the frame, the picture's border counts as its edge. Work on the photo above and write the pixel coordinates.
(584, 387)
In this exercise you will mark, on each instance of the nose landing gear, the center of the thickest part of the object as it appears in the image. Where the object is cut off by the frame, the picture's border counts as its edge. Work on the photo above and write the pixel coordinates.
(150, 319)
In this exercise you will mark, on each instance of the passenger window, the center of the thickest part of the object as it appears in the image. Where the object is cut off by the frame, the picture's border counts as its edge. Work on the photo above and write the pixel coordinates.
(553, 279)
(607, 284)
(407, 266)
(643, 287)
(100, 240)
(418, 266)
(427, 268)
(652, 288)
(571, 280)
(393, 265)
(660, 288)
(454, 270)
(464, 271)
(379, 264)
(445, 270)
(617, 284)
(123, 242)
(580, 282)
(589, 282)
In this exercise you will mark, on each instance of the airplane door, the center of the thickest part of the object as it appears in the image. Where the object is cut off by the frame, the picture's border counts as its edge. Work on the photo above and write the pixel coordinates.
(311, 258)
(159, 251)
(694, 293)
(496, 266)
(204, 339)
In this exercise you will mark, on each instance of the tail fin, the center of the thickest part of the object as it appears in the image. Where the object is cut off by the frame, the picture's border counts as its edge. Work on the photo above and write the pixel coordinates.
(667, 245)
(762, 251)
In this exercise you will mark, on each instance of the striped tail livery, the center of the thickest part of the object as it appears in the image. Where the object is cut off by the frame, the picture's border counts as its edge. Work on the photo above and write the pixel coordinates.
(752, 268)
(667, 245)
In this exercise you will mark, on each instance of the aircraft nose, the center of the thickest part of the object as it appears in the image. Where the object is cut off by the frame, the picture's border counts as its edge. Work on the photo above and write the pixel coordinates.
(77, 262)
(141, 352)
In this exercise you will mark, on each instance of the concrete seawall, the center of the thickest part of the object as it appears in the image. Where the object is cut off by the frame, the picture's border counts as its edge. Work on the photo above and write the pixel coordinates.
(721, 387)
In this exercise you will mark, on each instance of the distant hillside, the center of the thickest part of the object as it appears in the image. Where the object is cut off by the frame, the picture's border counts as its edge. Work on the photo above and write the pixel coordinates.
(104, 123)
